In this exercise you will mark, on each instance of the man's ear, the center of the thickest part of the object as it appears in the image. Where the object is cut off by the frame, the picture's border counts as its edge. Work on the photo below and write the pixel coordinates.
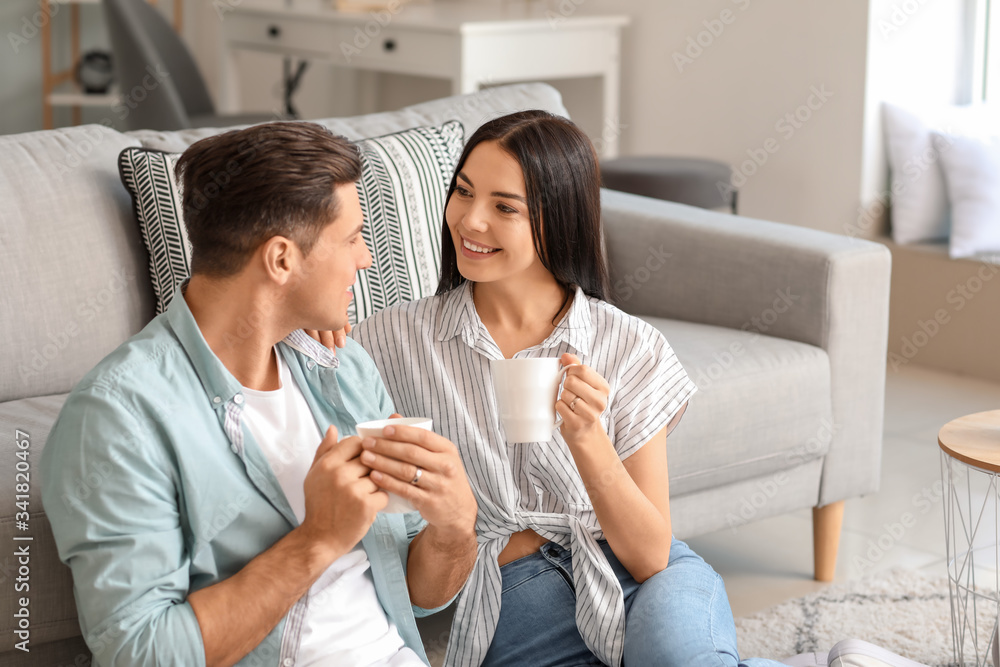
(280, 257)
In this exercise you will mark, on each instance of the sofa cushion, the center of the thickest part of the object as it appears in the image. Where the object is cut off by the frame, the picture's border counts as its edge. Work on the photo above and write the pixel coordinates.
(402, 190)
(52, 610)
(765, 401)
(72, 279)
(471, 110)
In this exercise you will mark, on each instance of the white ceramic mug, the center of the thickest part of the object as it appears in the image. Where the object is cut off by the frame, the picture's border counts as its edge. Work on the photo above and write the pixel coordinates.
(527, 391)
(397, 504)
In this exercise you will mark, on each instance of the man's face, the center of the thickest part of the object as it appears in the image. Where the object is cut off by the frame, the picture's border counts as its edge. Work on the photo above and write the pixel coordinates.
(322, 292)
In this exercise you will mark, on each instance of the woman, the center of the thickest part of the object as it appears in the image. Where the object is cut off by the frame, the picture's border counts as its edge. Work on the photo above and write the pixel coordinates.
(577, 564)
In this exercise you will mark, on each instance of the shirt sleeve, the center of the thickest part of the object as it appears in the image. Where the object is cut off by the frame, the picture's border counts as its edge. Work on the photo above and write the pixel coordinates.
(110, 495)
(652, 388)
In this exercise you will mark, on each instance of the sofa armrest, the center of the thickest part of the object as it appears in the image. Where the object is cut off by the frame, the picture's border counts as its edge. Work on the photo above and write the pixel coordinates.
(674, 261)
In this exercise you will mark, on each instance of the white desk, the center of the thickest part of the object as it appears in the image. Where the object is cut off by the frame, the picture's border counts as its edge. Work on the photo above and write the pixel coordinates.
(471, 43)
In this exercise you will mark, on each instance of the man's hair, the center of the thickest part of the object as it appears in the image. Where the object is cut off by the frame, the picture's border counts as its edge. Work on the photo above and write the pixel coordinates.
(243, 187)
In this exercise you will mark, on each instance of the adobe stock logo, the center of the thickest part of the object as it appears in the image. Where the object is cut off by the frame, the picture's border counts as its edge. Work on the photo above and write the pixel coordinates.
(31, 26)
(788, 125)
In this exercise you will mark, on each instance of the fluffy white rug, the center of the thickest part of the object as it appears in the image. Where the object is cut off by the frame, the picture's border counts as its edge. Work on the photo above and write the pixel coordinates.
(901, 610)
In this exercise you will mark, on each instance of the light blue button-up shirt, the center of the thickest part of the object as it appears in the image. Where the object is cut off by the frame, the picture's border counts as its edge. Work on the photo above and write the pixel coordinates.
(155, 488)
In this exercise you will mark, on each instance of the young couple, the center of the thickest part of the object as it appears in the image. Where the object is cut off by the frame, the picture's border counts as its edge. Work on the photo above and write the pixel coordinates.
(238, 526)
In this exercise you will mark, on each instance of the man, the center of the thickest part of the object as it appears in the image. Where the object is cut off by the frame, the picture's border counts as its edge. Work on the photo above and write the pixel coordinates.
(229, 522)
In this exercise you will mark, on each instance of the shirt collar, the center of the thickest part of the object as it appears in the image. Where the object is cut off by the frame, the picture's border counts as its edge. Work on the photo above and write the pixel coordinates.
(218, 382)
(310, 347)
(458, 316)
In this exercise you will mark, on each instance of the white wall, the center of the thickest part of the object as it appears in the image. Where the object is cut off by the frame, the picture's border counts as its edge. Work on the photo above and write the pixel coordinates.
(767, 60)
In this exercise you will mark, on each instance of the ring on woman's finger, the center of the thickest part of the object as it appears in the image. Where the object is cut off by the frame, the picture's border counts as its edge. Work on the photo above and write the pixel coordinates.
(416, 477)
(572, 404)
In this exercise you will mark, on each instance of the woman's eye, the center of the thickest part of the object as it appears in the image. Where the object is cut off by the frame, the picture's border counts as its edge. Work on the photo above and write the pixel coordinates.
(506, 209)
(462, 192)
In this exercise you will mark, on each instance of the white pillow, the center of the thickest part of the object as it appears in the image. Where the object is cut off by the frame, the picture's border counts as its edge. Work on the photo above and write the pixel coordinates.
(972, 173)
(920, 210)
(919, 204)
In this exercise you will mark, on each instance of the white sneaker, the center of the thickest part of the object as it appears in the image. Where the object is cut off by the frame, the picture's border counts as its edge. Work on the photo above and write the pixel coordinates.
(806, 660)
(857, 653)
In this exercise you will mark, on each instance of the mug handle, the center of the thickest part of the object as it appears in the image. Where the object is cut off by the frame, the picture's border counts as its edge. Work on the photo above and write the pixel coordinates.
(559, 419)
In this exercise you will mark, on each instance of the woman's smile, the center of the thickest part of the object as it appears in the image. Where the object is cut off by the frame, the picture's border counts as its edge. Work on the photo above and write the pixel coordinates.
(476, 250)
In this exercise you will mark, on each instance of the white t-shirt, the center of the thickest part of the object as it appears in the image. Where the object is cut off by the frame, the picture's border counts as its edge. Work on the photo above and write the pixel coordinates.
(345, 624)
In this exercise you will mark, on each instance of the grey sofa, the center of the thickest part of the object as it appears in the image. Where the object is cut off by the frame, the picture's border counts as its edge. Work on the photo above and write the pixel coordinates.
(783, 329)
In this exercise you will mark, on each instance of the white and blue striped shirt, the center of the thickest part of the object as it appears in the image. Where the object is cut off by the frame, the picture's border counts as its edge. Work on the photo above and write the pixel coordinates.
(434, 357)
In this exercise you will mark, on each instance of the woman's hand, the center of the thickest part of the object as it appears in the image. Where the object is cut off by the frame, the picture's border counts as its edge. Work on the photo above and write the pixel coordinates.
(331, 339)
(583, 400)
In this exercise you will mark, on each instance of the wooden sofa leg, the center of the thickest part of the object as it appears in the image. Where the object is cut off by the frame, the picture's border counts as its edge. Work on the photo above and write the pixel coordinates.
(827, 521)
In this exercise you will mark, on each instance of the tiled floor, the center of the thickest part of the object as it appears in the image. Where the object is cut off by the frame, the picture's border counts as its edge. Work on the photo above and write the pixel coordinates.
(770, 561)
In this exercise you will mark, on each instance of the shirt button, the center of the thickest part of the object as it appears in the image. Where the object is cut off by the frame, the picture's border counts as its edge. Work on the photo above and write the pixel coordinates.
(217, 400)
(236, 450)
(238, 398)
(310, 365)
(288, 662)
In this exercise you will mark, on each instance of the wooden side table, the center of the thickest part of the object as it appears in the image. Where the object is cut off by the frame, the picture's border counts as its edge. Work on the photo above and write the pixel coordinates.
(970, 471)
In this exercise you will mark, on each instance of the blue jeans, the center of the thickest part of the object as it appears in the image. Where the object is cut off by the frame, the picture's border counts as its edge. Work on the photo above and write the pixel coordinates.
(679, 617)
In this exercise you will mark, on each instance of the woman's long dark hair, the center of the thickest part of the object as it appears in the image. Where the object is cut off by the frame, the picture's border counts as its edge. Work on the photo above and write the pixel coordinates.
(563, 182)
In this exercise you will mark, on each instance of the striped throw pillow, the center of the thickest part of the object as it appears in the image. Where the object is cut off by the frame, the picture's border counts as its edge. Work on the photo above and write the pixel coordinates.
(403, 184)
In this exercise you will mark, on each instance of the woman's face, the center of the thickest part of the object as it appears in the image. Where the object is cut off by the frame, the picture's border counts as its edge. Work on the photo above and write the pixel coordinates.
(488, 218)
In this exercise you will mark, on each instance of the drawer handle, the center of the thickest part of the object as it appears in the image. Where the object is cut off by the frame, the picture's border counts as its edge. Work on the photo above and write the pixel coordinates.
(389, 45)
(274, 31)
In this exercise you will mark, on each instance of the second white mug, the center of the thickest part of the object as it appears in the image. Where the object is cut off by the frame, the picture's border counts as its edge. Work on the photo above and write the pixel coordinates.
(397, 504)
(526, 392)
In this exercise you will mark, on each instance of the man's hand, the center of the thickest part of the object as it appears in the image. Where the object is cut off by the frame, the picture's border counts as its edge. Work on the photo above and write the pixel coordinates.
(331, 339)
(442, 495)
(443, 554)
(341, 498)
